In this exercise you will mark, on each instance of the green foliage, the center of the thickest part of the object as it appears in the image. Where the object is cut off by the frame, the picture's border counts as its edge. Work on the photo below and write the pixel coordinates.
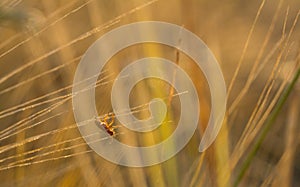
(268, 124)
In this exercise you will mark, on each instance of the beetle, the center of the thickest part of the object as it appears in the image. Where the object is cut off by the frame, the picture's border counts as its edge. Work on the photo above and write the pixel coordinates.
(107, 123)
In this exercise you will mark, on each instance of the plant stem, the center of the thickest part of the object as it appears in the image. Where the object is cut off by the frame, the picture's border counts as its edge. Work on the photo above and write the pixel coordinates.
(268, 124)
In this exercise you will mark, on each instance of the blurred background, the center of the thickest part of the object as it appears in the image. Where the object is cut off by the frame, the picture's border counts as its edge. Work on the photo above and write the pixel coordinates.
(255, 42)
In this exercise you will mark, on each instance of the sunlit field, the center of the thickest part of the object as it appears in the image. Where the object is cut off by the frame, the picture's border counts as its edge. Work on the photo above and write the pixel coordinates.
(256, 44)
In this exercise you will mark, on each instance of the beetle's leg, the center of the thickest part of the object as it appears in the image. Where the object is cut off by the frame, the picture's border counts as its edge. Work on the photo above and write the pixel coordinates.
(112, 115)
(106, 117)
(109, 125)
(112, 120)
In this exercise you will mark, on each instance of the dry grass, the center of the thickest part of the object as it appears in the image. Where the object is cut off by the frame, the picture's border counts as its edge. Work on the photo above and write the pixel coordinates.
(256, 44)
